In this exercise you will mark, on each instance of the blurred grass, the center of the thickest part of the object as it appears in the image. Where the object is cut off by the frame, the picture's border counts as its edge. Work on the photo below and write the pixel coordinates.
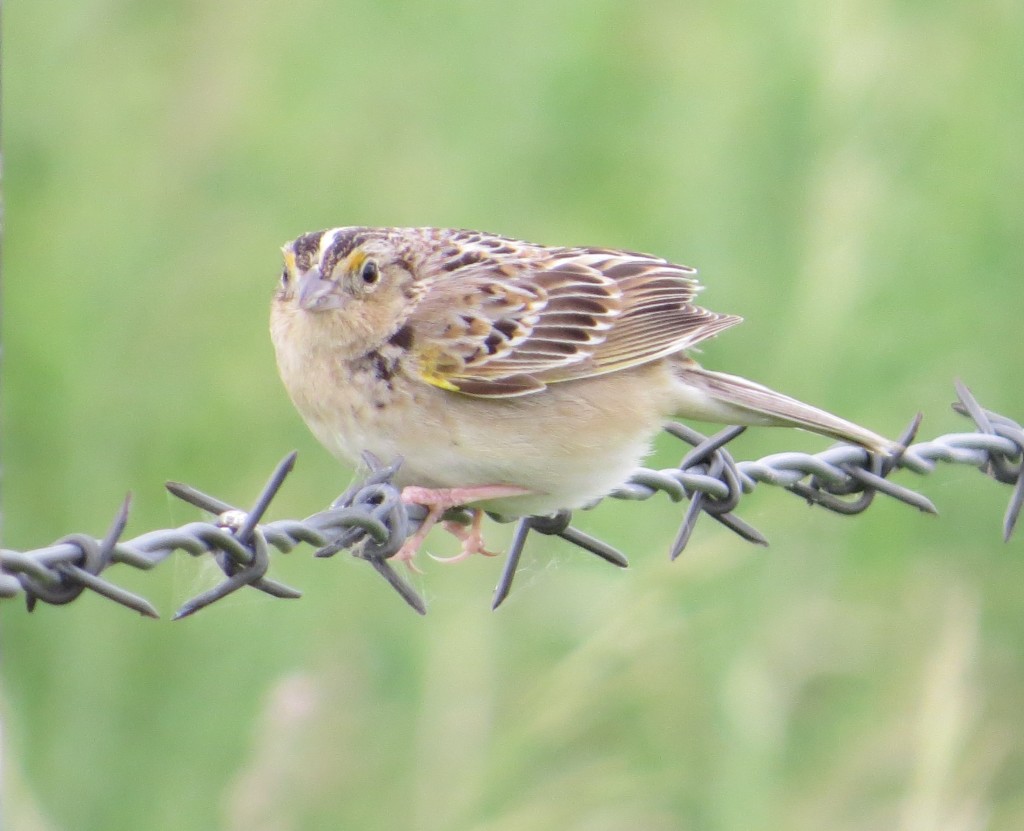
(848, 178)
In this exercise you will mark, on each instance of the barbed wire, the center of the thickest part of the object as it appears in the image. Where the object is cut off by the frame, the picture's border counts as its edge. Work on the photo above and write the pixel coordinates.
(371, 520)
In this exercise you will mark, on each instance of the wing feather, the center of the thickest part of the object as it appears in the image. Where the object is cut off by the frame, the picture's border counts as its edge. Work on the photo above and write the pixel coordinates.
(499, 324)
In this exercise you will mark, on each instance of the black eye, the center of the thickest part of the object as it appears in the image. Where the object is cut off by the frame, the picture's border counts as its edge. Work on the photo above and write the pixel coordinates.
(284, 279)
(370, 273)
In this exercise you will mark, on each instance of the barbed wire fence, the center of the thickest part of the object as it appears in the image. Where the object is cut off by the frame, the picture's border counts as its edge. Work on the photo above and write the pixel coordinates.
(371, 521)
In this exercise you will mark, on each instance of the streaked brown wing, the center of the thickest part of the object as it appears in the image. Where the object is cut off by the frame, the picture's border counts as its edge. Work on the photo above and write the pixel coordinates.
(510, 327)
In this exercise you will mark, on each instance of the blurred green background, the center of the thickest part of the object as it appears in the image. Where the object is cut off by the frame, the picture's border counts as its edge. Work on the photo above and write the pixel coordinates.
(848, 177)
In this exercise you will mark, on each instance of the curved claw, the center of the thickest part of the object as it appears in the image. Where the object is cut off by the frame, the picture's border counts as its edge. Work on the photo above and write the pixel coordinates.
(455, 558)
(472, 540)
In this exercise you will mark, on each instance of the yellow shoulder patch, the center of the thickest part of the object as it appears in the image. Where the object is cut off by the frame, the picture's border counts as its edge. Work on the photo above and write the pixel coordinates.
(435, 367)
(436, 379)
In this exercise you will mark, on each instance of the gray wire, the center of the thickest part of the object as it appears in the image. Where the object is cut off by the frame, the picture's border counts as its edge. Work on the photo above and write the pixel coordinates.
(371, 521)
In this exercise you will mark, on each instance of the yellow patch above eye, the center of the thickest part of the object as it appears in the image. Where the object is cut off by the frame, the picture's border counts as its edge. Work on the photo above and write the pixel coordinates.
(355, 261)
(289, 258)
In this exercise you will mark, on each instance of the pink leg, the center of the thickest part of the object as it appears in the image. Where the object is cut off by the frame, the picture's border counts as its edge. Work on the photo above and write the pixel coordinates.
(412, 544)
(439, 500)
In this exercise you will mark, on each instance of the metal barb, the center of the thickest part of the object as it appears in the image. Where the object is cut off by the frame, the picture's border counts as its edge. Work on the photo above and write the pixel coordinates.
(1007, 468)
(240, 552)
(377, 523)
(284, 467)
(999, 465)
(508, 573)
(1013, 509)
(710, 458)
(405, 591)
(236, 578)
(553, 525)
(693, 512)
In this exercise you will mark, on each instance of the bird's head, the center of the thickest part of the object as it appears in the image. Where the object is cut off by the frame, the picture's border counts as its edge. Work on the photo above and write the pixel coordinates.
(355, 284)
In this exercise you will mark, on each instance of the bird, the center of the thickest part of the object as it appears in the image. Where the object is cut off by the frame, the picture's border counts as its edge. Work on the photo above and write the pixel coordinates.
(510, 377)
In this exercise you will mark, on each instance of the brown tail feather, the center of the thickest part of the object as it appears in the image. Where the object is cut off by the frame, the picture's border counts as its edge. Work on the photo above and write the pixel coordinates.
(757, 404)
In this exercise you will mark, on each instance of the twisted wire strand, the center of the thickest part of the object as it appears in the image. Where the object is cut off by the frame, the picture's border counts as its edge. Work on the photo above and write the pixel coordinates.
(371, 520)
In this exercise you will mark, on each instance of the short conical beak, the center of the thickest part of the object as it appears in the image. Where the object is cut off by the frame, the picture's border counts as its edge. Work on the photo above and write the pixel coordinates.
(314, 293)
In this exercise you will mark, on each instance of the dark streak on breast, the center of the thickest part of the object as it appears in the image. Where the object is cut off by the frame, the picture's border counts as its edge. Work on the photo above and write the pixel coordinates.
(403, 338)
(383, 368)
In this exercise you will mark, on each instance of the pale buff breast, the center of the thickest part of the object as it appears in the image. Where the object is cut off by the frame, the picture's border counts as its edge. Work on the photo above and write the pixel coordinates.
(568, 445)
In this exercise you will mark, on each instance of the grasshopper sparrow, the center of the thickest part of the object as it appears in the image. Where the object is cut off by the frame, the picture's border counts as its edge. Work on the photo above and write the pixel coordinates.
(511, 377)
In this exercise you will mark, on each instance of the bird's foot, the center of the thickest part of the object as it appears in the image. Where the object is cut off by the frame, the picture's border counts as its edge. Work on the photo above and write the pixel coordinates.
(471, 537)
(439, 500)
